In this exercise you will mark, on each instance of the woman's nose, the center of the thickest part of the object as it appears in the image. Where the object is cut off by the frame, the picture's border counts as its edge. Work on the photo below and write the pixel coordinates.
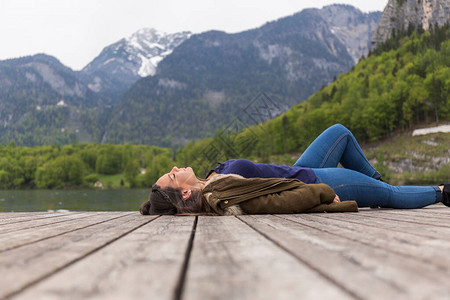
(175, 169)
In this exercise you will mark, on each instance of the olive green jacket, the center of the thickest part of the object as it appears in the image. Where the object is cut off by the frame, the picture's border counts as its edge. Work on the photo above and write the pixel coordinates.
(233, 194)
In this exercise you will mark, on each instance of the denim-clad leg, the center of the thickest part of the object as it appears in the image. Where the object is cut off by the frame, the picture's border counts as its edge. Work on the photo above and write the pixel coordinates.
(369, 192)
(358, 180)
(333, 146)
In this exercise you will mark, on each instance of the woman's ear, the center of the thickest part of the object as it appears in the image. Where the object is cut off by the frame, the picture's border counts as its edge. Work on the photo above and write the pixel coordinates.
(186, 194)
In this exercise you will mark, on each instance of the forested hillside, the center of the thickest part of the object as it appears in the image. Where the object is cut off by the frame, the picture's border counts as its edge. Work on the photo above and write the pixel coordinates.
(405, 82)
(44, 102)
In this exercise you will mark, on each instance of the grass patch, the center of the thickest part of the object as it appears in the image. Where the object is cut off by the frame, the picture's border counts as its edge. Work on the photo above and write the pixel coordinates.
(424, 158)
(405, 146)
(113, 181)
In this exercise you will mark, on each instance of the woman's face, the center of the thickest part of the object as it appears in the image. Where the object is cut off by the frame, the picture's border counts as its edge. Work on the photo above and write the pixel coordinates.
(179, 178)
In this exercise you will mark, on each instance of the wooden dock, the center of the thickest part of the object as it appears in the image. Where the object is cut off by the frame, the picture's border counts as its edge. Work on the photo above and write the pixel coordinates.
(373, 254)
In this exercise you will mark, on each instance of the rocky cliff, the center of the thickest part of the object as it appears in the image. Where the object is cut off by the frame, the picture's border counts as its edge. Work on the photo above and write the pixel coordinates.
(399, 14)
(352, 27)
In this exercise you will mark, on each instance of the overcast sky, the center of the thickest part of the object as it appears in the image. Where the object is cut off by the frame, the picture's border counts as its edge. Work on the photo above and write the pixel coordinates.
(75, 31)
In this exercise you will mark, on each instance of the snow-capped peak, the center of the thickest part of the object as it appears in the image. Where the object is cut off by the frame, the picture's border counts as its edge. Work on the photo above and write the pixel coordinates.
(149, 46)
(138, 54)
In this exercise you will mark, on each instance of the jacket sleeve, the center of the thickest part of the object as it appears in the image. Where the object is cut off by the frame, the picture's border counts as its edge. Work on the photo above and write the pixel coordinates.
(301, 199)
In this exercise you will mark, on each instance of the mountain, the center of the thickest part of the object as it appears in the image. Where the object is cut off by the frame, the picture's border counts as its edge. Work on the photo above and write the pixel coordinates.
(209, 80)
(43, 102)
(398, 15)
(195, 84)
(121, 64)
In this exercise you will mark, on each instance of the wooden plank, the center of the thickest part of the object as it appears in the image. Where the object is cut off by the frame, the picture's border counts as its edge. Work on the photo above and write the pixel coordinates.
(24, 237)
(435, 209)
(231, 261)
(395, 224)
(435, 217)
(9, 218)
(431, 209)
(438, 208)
(35, 223)
(369, 272)
(25, 213)
(20, 214)
(144, 264)
(429, 250)
(33, 263)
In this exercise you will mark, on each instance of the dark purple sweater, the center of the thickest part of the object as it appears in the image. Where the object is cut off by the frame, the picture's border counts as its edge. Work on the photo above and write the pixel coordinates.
(249, 169)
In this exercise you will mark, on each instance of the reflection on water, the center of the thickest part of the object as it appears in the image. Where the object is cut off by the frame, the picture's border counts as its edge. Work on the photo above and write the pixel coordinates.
(82, 200)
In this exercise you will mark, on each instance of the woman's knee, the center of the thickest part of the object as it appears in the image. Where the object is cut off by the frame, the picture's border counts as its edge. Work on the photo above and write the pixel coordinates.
(339, 127)
(336, 131)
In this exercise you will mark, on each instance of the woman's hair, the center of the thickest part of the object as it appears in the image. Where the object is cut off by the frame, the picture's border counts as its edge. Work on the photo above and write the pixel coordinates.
(169, 201)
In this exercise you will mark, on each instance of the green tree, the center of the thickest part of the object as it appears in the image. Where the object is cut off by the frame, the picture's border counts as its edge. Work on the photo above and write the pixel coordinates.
(437, 90)
(131, 173)
(64, 171)
(109, 160)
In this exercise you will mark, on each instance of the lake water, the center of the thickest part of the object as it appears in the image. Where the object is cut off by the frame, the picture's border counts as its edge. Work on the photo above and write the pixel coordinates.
(73, 200)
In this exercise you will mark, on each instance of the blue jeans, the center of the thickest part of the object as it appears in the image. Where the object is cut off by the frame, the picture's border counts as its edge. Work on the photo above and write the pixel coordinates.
(358, 179)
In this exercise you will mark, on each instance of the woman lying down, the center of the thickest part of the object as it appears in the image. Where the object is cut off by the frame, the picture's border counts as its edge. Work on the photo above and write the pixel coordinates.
(313, 184)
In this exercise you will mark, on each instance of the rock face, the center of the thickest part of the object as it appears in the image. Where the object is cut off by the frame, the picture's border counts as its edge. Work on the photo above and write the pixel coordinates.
(352, 27)
(399, 14)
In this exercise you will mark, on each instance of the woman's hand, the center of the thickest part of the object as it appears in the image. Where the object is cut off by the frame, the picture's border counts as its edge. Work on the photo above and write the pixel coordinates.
(336, 199)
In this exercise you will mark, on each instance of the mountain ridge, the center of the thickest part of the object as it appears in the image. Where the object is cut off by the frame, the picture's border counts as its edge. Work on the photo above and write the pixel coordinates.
(122, 63)
(209, 74)
(288, 59)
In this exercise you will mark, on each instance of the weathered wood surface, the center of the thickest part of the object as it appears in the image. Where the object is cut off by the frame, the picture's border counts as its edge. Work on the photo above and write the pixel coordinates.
(373, 254)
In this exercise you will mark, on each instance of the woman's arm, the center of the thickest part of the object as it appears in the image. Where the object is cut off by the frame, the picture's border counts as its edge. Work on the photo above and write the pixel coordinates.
(300, 199)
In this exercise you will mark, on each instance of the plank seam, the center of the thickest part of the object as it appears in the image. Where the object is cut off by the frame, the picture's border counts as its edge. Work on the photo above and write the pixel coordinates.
(55, 271)
(62, 233)
(306, 263)
(179, 288)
